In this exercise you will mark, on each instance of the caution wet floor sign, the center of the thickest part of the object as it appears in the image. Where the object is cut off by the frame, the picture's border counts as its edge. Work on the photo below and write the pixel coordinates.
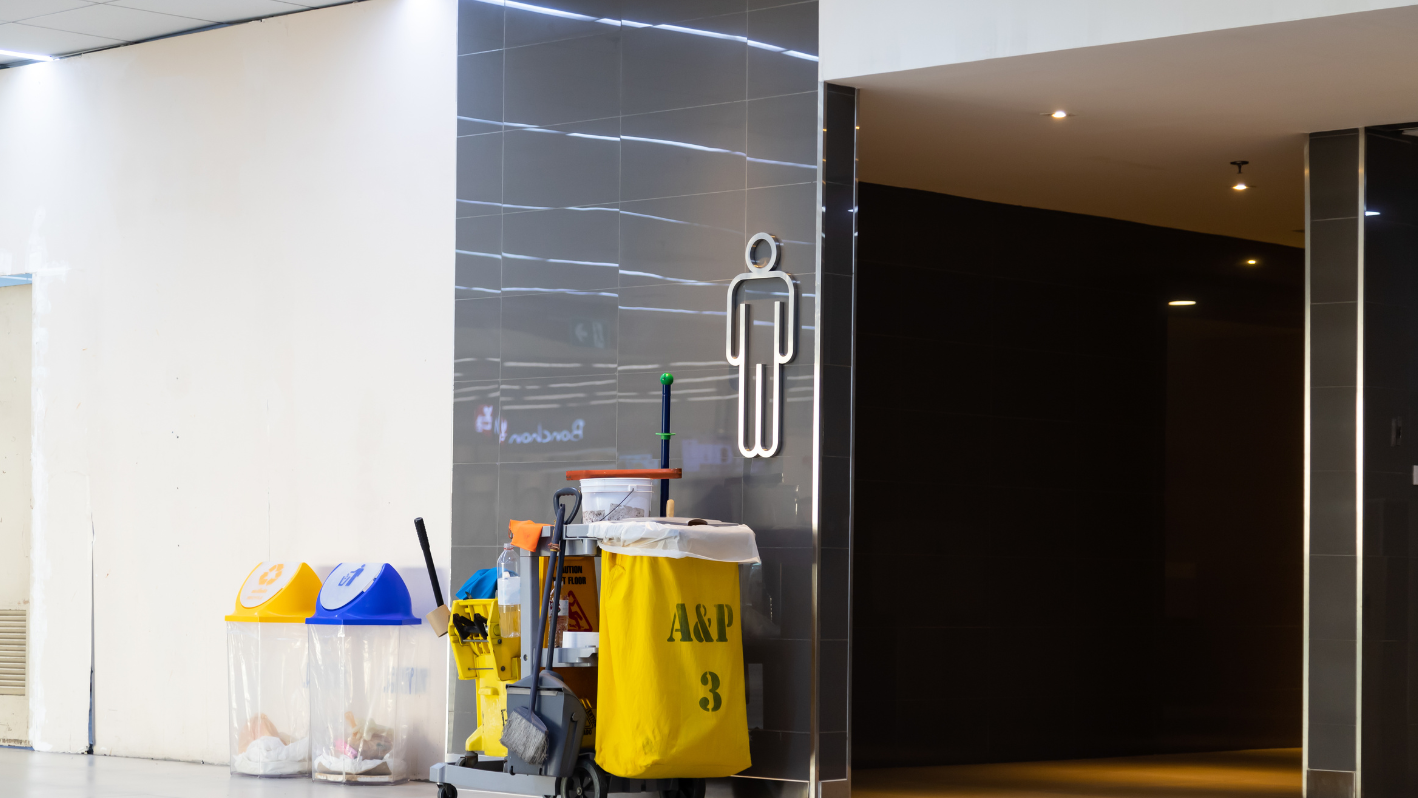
(671, 686)
(578, 590)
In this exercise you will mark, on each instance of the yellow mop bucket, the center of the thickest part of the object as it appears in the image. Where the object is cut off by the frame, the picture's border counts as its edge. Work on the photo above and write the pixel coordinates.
(671, 696)
(482, 654)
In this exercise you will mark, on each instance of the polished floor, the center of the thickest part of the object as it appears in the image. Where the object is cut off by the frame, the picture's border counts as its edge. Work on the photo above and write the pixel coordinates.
(1235, 774)
(1272, 773)
(26, 774)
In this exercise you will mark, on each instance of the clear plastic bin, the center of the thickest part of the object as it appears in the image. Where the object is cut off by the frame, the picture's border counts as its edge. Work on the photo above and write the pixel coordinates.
(359, 733)
(269, 697)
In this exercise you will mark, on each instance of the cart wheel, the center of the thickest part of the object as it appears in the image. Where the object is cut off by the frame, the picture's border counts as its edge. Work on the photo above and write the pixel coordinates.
(447, 791)
(584, 782)
(688, 788)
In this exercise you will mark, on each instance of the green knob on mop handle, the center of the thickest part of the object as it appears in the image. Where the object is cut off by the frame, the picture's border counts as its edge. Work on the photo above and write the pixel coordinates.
(667, 379)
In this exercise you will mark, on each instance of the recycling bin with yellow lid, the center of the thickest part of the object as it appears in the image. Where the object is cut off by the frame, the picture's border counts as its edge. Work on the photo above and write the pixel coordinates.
(359, 732)
(266, 671)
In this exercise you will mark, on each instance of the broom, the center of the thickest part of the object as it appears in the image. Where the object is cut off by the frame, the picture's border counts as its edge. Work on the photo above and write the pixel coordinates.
(440, 616)
(525, 734)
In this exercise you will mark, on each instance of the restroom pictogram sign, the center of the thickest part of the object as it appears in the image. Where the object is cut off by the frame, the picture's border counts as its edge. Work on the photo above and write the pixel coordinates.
(767, 413)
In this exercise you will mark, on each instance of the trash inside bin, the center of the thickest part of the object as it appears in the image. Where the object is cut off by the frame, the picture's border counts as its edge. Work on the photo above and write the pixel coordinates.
(671, 690)
(266, 682)
(358, 730)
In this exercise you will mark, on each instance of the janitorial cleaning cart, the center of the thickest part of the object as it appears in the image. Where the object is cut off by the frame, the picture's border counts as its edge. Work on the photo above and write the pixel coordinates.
(653, 700)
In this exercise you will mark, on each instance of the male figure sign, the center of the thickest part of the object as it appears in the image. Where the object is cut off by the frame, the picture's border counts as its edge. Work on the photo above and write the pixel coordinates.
(783, 340)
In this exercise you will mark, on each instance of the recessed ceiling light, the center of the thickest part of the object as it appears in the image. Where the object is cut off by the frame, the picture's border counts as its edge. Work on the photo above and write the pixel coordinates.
(26, 56)
(1240, 183)
(1251, 262)
(1059, 114)
(1176, 303)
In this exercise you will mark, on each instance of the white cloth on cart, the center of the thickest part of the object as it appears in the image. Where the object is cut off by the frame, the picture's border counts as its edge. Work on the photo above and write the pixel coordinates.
(268, 756)
(673, 537)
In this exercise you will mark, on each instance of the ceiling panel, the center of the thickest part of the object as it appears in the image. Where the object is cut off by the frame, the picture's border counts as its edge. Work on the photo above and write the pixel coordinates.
(209, 10)
(71, 27)
(43, 41)
(1153, 125)
(16, 10)
(114, 22)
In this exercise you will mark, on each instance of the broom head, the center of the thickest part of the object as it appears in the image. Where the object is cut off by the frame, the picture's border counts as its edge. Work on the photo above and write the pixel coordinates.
(526, 736)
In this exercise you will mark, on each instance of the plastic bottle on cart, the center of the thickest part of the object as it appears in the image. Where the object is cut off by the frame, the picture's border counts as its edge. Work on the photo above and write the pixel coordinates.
(509, 593)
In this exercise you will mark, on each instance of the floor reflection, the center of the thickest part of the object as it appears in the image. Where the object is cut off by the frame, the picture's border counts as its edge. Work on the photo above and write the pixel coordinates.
(1243, 774)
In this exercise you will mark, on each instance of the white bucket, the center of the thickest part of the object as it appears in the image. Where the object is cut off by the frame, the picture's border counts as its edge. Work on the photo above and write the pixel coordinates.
(582, 639)
(617, 499)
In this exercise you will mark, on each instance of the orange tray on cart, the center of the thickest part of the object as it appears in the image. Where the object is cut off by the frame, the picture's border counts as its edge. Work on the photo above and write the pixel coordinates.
(627, 473)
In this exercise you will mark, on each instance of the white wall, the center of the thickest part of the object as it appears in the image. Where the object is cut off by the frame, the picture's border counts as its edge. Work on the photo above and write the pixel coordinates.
(242, 247)
(15, 347)
(867, 37)
(15, 342)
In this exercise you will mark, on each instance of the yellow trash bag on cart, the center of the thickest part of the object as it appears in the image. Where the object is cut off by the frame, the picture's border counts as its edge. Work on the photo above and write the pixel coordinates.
(671, 694)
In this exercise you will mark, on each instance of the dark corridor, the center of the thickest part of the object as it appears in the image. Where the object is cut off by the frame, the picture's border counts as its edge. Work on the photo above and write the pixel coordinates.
(1096, 546)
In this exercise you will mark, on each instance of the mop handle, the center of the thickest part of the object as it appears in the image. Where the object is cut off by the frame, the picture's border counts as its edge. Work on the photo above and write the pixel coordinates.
(542, 624)
(666, 380)
(558, 558)
(554, 584)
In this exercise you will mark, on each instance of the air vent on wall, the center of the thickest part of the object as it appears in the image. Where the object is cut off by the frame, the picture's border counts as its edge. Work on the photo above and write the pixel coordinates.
(12, 651)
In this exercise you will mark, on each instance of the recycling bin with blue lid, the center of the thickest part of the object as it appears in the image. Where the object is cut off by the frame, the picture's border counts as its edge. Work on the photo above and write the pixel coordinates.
(358, 732)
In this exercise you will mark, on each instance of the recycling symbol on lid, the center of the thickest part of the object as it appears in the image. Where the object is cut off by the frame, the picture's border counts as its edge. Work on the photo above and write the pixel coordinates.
(272, 574)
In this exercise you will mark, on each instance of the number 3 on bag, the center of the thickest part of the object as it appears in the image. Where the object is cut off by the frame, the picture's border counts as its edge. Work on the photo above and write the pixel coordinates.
(711, 680)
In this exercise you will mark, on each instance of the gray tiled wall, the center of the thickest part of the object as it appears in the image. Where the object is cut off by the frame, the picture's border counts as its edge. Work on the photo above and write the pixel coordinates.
(1363, 223)
(614, 158)
(837, 322)
(1333, 308)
